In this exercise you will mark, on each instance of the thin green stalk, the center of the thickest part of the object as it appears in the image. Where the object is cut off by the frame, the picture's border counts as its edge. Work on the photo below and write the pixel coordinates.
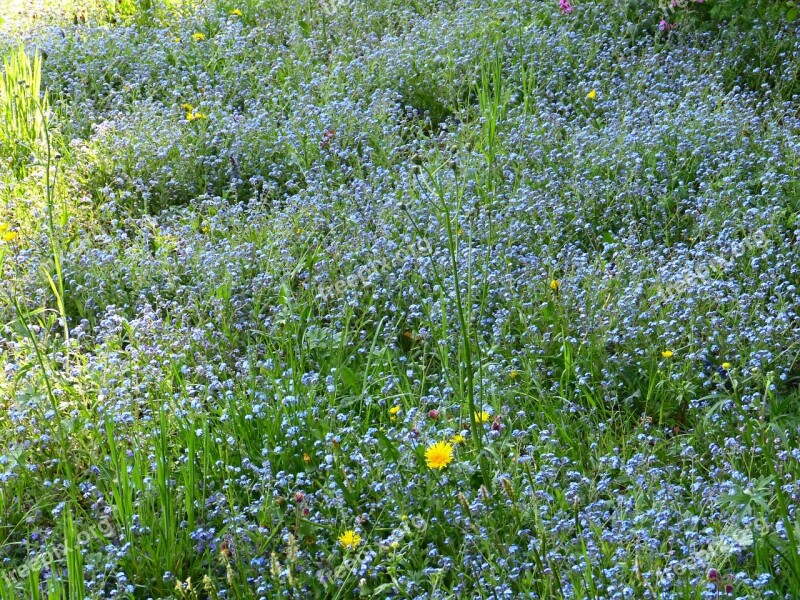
(121, 489)
(76, 586)
(190, 477)
(64, 463)
(162, 452)
(57, 285)
(477, 428)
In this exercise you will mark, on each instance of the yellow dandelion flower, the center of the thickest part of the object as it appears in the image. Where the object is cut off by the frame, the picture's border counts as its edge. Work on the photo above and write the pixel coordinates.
(198, 37)
(349, 539)
(187, 107)
(667, 354)
(236, 12)
(592, 95)
(439, 455)
(555, 285)
(4, 227)
(514, 373)
(457, 439)
(176, 40)
(394, 410)
(306, 457)
(10, 236)
(726, 365)
(482, 417)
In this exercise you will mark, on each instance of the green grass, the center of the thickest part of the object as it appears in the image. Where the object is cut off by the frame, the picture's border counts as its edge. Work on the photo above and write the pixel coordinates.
(24, 109)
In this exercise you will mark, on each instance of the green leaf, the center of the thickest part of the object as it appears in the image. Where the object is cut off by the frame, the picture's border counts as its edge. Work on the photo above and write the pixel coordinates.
(390, 449)
(349, 378)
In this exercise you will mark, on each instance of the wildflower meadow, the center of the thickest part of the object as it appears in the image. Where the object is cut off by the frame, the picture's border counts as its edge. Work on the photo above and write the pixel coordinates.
(399, 299)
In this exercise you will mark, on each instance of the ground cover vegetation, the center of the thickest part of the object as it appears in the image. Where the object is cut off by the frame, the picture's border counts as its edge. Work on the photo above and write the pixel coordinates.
(458, 299)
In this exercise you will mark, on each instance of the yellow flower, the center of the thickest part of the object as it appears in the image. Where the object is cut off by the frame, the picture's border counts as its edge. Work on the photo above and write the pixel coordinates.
(195, 116)
(198, 37)
(592, 95)
(457, 439)
(482, 417)
(4, 227)
(187, 107)
(10, 236)
(176, 40)
(236, 12)
(513, 374)
(394, 410)
(555, 284)
(726, 365)
(667, 354)
(439, 455)
(349, 539)
(306, 457)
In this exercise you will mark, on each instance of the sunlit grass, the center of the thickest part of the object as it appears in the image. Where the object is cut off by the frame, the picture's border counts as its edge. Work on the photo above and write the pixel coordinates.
(19, 18)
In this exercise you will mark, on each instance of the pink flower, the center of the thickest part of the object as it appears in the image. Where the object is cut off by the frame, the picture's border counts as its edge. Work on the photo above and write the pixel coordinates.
(565, 7)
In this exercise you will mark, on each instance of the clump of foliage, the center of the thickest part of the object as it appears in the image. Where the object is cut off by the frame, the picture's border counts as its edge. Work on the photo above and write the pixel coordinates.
(23, 106)
(739, 12)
